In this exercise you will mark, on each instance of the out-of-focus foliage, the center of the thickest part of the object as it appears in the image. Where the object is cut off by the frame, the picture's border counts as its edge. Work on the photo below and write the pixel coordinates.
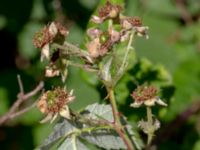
(170, 59)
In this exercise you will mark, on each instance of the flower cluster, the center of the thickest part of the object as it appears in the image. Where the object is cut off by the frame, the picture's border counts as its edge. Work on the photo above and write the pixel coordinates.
(146, 95)
(54, 103)
(101, 42)
(53, 32)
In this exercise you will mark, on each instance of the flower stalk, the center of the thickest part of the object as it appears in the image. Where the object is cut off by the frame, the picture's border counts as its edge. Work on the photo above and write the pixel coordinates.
(150, 131)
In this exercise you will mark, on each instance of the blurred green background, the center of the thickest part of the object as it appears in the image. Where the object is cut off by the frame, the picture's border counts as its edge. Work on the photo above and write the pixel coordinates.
(170, 58)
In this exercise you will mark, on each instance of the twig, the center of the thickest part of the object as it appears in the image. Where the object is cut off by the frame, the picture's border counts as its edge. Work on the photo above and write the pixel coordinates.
(12, 113)
(21, 87)
(180, 4)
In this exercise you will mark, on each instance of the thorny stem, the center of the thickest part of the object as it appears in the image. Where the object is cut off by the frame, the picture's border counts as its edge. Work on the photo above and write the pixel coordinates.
(150, 123)
(12, 113)
(117, 123)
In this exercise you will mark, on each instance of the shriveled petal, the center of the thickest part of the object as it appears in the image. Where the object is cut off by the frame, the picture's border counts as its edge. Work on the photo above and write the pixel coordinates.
(94, 33)
(45, 52)
(160, 102)
(65, 112)
(47, 118)
(53, 30)
(54, 117)
(156, 124)
(125, 37)
(64, 75)
(136, 104)
(93, 48)
(143, 125)
(42, 104)
(126, 25)
(142, 31)
(150, 102)
(96, 19)
(71, 92)
(115, 36)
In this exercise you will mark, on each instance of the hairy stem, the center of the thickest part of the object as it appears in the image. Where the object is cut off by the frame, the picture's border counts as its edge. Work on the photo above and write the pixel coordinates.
(150, 123)
(114, 107)
(117, 123)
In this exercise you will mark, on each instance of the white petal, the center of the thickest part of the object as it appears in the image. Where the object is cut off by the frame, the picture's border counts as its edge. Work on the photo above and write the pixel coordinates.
(96, 19)
(53, 29)
(49, 72)
(71, 92)
(157, 124)
(160, 102)
(136, 104)
(65, 112)
(54, 117)
(45, 52)
(150, 102)
(47, 118)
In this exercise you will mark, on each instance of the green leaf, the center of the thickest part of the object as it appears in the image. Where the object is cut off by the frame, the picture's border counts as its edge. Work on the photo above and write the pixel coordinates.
(107, 139)
(75, 81)
(68, 134)
(105, 71)
(104, 111)
(59, 131)
(135, 137)
(72, 143)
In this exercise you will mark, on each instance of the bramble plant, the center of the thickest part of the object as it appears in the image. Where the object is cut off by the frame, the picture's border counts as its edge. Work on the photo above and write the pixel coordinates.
(108, 54)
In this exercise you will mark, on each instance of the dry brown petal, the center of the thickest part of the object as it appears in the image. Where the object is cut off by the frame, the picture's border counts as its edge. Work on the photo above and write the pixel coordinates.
(93, 48)
(125, 24)
(109, 11)
(135, 21)
(94, 33)
(42, 104)
(42, 37)
(48, 33)
(143, 93)
(105, 47)
(114, 35)
(62, 30)
(142, 31)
